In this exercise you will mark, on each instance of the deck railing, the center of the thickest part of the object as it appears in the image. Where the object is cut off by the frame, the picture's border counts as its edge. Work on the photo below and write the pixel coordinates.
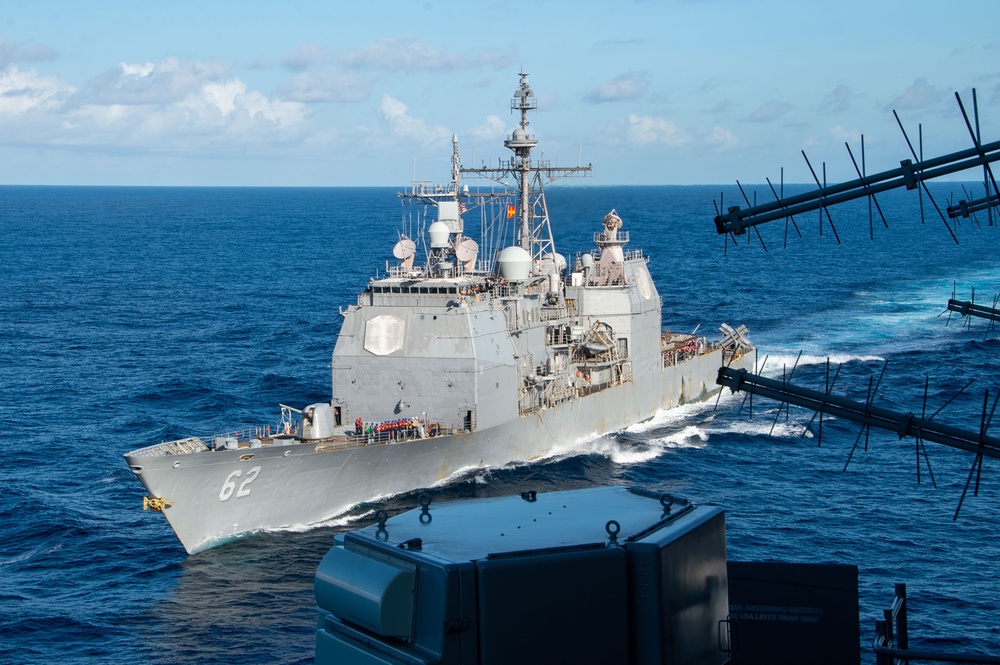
(892, 639)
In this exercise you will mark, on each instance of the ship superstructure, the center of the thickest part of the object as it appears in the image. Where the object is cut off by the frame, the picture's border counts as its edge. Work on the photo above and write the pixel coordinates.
(484, 353)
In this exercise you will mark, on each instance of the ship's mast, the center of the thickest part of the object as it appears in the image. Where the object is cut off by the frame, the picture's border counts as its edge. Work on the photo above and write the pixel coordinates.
(456, 166)
(534, 233)
(521, 143)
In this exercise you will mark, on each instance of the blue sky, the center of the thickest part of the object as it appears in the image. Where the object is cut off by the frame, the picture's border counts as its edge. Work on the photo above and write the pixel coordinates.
(324, 93)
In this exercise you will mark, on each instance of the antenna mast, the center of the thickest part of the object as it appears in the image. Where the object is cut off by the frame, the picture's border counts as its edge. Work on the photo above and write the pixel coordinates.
(534, 233)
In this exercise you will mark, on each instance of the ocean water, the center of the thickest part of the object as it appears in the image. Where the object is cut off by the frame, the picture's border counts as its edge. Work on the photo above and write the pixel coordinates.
(129, 316)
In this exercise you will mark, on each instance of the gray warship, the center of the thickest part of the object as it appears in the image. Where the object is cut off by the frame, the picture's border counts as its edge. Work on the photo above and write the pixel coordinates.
(485, 354)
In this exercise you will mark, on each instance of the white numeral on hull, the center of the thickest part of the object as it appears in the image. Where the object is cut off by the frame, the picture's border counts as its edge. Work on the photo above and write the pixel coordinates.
(229, 486)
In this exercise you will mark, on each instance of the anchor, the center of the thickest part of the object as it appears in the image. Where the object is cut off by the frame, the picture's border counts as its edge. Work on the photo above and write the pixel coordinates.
(157, 505)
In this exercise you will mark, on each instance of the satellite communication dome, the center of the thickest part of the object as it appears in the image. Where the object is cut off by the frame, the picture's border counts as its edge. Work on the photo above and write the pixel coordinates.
(438, 232)
(515, 264)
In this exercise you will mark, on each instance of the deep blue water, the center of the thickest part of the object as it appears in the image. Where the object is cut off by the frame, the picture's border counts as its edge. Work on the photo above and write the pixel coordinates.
(129, 316)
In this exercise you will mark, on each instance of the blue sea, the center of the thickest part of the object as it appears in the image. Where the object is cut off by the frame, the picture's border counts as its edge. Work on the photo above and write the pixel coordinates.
(129, 316)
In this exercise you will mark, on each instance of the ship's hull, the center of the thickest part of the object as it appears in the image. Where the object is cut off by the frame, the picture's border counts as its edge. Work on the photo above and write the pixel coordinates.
(219, 495)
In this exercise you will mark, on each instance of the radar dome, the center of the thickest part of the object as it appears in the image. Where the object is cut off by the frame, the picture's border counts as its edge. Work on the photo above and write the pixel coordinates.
(438, 232)
(557, 260)
(515, 264)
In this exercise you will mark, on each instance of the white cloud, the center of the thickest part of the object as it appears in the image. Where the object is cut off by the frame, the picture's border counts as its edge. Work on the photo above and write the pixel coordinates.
(223, 95)
(722, 139)
(918, 96)
(711, 85)
(837, 100)
(150, 83)
(392, 109)
(627, 87)
(646, 130)
(721, 107)
(22, 92)
(407, 54)
(397, 115)
(12, 52)
(136, 71)
(324, 75)
(328, 84)
(769, 111)
(492, 128)
(303, 57)
(165, 106)
(642, 130)
(280, 114)
(852, 136)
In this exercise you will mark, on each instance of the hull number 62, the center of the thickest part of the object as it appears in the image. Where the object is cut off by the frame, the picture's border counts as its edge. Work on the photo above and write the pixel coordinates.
(229, 486)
